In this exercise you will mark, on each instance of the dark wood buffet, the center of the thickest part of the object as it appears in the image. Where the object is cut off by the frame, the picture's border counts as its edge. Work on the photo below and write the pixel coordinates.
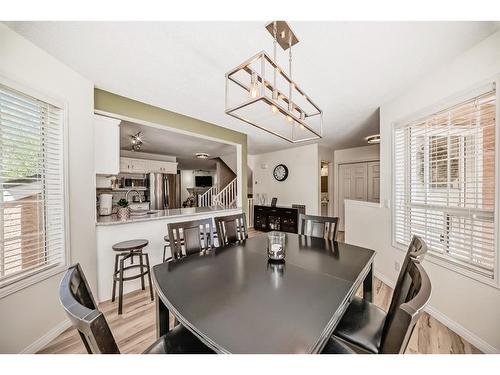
(267, 218)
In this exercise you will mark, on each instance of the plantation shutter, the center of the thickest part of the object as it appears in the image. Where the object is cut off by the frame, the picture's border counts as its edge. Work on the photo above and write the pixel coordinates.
(444, 181)
(32, 232)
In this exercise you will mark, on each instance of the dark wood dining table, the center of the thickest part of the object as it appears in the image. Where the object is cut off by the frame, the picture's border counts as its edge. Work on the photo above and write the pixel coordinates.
(236, 301)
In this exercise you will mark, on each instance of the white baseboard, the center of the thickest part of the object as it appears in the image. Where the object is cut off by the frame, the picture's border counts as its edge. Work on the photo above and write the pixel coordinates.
(47, 338)
(462, 331)
(384, 279)
(451, 324)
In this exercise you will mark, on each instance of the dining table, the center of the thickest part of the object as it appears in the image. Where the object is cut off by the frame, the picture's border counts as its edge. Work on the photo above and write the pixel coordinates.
(235, 300)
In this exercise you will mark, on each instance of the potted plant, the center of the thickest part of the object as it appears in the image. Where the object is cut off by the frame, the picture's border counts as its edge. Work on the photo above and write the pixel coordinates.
(123, 209)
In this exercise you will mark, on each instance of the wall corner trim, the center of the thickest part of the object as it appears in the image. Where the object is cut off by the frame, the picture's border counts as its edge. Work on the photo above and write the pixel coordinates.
(451, 324)
(41, 342)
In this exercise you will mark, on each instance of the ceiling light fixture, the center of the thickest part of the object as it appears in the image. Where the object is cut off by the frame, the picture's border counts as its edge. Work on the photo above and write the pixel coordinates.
(202, 155)
(136, 140)
(260, 93)
(373, 139)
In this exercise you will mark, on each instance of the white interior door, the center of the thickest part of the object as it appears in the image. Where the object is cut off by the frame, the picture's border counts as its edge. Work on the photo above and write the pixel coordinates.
(374, 181)
(353, 184)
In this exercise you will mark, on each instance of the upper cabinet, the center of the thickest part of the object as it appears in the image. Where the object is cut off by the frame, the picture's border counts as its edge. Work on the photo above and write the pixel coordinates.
(107, 158)
(162, 166)
(131, 165)
(106, 145)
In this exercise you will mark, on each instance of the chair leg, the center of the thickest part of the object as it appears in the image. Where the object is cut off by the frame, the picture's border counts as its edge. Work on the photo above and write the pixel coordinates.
(120, 292)
(142, 266)
(164, 252)
(149, 277)
(114, 278)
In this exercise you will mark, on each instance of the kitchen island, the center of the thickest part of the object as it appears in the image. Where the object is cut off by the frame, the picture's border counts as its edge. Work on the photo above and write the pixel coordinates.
(152, 227)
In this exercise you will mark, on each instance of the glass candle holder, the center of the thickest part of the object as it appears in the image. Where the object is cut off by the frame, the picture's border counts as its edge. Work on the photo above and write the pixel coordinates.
(276, 242)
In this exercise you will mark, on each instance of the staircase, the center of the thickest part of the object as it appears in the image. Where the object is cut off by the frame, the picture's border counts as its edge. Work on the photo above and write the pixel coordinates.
(207, 198)
(226, 197)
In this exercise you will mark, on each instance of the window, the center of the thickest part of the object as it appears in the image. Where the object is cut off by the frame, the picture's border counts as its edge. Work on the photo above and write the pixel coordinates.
(444, 183)
(32, 210)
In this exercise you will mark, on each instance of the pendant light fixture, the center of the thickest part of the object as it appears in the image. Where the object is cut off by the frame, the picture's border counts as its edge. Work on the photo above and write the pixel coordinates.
(260, 93)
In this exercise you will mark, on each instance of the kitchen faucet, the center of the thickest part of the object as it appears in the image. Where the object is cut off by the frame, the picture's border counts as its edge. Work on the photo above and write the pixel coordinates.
(138, 194)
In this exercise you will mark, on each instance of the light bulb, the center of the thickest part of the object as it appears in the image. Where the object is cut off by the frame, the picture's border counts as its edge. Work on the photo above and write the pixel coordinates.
(254, 86)
(254, 91)
(274, 109)
(302, 127)
(289, 119)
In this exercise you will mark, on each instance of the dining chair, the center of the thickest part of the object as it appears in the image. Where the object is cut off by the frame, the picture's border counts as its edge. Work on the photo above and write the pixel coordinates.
(368, 329)
(319, 226)
(231, 229)
(194, 236)
(301, 208)
(80, 306)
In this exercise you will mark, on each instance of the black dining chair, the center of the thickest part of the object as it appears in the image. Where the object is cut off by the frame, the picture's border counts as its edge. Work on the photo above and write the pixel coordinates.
(194, 236)
(301, 208)
(80, 306)
(231, 229)
(319, 226)
(368, 329)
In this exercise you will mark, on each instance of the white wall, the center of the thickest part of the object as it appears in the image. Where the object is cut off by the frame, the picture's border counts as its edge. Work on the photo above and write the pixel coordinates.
(469, 307)
(302, 184)
(350, 155)
(31, 313)
(230, 160)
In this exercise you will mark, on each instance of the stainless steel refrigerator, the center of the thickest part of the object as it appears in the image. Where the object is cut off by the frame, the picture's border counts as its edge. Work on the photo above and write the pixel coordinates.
(164, 191)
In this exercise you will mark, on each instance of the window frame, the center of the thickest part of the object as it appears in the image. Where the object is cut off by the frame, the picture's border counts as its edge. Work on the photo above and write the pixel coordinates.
(38, 275)
(492, 83)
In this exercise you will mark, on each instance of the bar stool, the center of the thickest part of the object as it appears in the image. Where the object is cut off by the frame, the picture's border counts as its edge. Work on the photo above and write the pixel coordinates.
(129, 250)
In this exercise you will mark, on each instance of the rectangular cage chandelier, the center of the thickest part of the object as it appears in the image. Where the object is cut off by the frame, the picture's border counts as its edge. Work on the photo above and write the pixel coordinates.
(260, 93)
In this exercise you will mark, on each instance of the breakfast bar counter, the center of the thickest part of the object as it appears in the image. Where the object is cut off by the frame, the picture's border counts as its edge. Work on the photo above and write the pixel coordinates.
(166, 214)
(151, 227)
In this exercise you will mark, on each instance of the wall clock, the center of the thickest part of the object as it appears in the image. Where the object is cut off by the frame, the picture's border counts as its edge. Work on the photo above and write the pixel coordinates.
(280, 172)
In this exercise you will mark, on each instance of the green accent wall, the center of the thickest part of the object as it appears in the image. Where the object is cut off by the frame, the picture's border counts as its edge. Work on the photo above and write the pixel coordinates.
(120, 105)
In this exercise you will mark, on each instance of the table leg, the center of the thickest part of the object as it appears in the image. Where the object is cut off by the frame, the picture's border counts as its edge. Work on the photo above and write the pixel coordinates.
(162, 318)
(368, 285)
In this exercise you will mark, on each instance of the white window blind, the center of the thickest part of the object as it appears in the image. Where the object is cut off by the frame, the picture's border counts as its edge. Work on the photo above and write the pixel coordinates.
(32, 230)
(444, 183)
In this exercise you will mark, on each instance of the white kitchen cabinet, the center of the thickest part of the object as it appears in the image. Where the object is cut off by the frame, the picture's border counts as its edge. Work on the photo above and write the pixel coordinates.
(106, 145)
(131, 165)
(163, 166)
(125, 165)
(139, 166)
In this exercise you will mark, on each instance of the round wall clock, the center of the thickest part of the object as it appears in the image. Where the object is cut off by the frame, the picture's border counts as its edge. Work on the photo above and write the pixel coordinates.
(280, 172)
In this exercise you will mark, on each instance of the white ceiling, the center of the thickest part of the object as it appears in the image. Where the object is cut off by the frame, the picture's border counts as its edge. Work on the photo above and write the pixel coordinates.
(348, 68)
(182, 146)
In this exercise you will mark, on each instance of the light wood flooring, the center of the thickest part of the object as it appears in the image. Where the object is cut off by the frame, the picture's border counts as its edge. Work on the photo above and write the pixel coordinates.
(134, 330)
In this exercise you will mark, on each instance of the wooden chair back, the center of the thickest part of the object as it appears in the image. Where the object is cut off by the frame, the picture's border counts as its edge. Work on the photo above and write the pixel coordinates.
(319, 226)
(231, 229)
(195, 236)
(81, 308)
(417, 249)
(411, 295)
(301, 208)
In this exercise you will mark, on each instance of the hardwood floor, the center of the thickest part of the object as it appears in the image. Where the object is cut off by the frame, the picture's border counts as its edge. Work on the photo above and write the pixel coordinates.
(134, 331)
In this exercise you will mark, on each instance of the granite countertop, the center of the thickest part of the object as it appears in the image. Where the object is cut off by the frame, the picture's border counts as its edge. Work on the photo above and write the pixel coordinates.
(164, 214)
(277, 206)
